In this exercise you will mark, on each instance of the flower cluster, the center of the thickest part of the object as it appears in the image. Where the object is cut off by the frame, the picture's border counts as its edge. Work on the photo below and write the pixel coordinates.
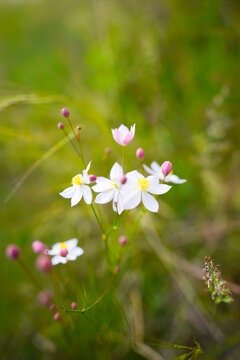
(126, 191)
(213, 280)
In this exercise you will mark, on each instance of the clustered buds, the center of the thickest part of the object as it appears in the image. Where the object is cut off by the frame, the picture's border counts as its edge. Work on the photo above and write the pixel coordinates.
(13, 252)
(140, 153)
(166, 168)
(213, 280)
(65, 113)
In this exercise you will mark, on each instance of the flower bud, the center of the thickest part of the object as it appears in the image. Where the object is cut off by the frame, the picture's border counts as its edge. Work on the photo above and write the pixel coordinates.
(140, 153)
(79, 128)
(57, 316)
(123, 179)
(63, 252)
(60, 125)
(117, 268)
(38, 247)
(166, 168)
(108, 151)
(65, 113)
(92, 178)
(44, 263)
(122, 240)
(44, 298)
(73, 305)
(12, 251)
(52, 307)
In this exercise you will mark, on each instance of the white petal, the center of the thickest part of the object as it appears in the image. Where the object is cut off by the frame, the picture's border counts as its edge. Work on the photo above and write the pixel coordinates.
(68, 193)
(72, 255)
(103, 184)
(156, 167)
(120, 206)
(58, 259)
(149, 202)
(71, 244)
(87, 194)
(85, 174)
(123, 131)
(104, 197)
(132, 130)
(159, 189)
(153, 180)
(134, 175)
(148, 170)
(76, 196)
(116, 171)
(133, 201)
(174, 179)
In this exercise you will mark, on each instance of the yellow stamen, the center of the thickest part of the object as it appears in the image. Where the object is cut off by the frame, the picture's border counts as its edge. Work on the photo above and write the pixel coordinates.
(144, 184)
(63, 245)
(77, 180)
(114, 184)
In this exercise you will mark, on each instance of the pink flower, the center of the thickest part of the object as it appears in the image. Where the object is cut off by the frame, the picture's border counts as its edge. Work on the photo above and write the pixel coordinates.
(12, 251)
(122, 135)
(38, 247)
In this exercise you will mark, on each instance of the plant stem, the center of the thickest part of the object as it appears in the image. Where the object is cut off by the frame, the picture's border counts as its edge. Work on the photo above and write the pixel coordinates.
(123, 159)
(97, 218)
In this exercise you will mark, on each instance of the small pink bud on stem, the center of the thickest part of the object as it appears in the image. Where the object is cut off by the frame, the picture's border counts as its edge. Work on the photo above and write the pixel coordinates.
(57, 316)
(52, 307)
(122, 240)
(44, 298)
(73, 305)
(140, 153)
(92, 178)
(38, 247)
(63, 252)
(123, 180)
(65, 113)
(166, 168)
(44, 263)
(12, 252)
(108, 151)
(61, 125)
(79, 128)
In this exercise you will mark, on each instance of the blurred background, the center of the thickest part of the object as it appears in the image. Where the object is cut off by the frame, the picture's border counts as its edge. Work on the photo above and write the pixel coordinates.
(172, 68)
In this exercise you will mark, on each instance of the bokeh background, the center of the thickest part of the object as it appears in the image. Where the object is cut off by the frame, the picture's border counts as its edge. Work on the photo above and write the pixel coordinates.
(172, 68)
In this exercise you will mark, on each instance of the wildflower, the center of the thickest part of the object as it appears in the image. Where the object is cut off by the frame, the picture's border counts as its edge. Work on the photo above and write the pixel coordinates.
(73, 305)
(52, 307)
(79, 188)
(123, 136)
(216, 285)
(43, 263)
(65, 113)
(92, 178)
(57, 316)
(140, 153)
(13, 252)
(166, 168)
(122, 240)
(139, 189)
(38, 247)
(157, 170)
(111, 189)
(63, 252)
(60, 125)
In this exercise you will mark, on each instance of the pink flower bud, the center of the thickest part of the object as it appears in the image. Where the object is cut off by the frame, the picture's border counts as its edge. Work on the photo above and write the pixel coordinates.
(44, 263)
(38, 247)
(92, 178)
(63, 252)
(60, 125)
(65, 113)
(108, 151)
(123, 179)
(122, 240)
(57, 316)
(74, 305)
(44, 298)
(12, 251)
(52, 307)
(166, 168)
(117, 268)
(79, 128)
(140, 153)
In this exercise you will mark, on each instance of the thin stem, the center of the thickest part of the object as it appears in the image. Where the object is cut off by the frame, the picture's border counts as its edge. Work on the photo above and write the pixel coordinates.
(29, 274)
(123, 159)
(70, 123)
(71, 142)
(97, 218)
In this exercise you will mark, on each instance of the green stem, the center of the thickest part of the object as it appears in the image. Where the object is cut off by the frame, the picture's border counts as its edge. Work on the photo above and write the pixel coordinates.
(98, 220)
(123, 160)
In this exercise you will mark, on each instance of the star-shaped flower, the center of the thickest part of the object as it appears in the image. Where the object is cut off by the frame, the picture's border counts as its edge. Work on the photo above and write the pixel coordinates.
(157, 171)
(79, 188)
(111, 189)
(139, 189)
(63, 252)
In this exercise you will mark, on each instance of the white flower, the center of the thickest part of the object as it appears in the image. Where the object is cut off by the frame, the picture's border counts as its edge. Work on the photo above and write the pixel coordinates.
(79, 188)
(123, 136)
(69, 250)
(139, 188)
(111, 189)
(157, 171)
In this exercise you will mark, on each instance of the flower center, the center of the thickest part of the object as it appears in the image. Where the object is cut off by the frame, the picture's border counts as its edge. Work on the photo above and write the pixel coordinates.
(114, 184)
(143, 184)
(77, 180)
(63, 245)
